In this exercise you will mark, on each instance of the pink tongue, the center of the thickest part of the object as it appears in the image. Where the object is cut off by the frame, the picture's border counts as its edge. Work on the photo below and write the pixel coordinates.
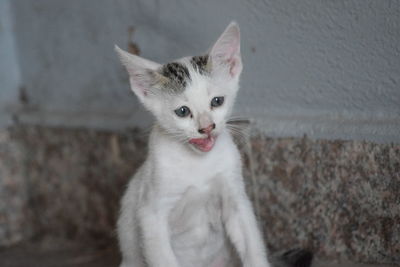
(204, 144)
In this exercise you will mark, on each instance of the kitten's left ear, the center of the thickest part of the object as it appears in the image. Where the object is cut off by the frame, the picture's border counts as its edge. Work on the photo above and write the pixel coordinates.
(143, 76)
(226, 51)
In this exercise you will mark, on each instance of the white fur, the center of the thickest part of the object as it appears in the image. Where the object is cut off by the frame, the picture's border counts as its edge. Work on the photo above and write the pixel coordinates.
(185, 207)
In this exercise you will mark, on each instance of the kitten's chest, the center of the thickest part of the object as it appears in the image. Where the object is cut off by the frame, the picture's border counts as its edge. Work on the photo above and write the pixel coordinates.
(181, 169)
(197, 203)
(196, 216)
(193, 190)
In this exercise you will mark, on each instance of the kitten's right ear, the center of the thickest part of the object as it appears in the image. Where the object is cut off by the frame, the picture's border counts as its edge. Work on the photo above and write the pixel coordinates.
(225, 53)
(142, 73)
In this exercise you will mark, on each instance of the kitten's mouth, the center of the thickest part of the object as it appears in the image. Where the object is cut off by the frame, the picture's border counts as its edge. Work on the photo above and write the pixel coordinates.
(203, 144)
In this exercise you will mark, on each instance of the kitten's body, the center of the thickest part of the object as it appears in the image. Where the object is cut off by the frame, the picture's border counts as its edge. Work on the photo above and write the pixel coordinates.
(188, 189)
(187, 206)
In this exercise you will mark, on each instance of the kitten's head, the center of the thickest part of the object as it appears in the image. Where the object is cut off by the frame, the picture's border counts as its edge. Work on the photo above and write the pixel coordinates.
(192, 97)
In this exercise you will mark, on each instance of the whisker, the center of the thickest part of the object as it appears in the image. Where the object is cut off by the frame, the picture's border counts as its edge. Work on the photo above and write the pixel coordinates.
(240, 129)
(177, 135)
(239, 121)
(239, 136)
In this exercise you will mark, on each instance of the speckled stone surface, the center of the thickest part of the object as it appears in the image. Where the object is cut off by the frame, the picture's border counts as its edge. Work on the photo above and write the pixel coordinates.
(14, 208)
(341, 199)
(74, 180)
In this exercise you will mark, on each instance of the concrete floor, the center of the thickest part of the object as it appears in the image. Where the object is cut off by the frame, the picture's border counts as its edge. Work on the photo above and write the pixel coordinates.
(77, 256)
(64, 256)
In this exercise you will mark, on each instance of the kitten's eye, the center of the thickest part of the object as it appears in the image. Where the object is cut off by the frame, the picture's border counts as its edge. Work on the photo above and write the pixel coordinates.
(183, 111)
(217, 101)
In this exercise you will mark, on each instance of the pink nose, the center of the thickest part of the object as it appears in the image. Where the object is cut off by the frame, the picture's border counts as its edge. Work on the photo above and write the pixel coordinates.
(208, 129)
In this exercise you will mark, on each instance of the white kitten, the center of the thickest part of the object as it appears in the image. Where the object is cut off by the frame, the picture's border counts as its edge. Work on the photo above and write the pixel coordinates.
(186, 206)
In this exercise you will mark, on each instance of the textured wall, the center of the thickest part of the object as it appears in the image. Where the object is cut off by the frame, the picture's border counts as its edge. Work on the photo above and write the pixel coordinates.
(14, 189)
(329, 69)
(339, 199)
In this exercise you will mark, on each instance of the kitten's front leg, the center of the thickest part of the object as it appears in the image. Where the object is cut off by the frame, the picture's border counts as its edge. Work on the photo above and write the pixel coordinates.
(241, 226)
(157, 248)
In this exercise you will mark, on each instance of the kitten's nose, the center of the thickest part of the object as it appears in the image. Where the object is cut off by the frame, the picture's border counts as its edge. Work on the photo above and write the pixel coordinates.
(208, 129)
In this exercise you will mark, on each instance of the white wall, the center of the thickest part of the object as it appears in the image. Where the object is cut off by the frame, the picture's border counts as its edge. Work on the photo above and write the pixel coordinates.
(327, 69)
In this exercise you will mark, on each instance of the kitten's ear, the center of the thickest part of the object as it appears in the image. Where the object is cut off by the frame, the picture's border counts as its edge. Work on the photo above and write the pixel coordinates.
(142, 74)
(226, 51)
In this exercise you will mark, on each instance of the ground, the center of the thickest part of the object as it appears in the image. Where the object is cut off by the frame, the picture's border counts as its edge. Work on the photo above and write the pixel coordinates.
(64, 256)
(73, 255)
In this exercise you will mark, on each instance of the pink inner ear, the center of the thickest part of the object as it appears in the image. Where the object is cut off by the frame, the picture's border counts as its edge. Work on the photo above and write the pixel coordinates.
(138, 84)
(227, 51)
(231, 50)
(232, 69)
(235, 66)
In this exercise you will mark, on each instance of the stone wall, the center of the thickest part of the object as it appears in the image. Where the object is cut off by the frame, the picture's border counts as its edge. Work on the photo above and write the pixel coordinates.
(14, 206)
(73, 180)
(338, 198)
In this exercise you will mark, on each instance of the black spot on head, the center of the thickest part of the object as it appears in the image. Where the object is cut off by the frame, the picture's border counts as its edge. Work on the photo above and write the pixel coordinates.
(200, 63)
(177, 73)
